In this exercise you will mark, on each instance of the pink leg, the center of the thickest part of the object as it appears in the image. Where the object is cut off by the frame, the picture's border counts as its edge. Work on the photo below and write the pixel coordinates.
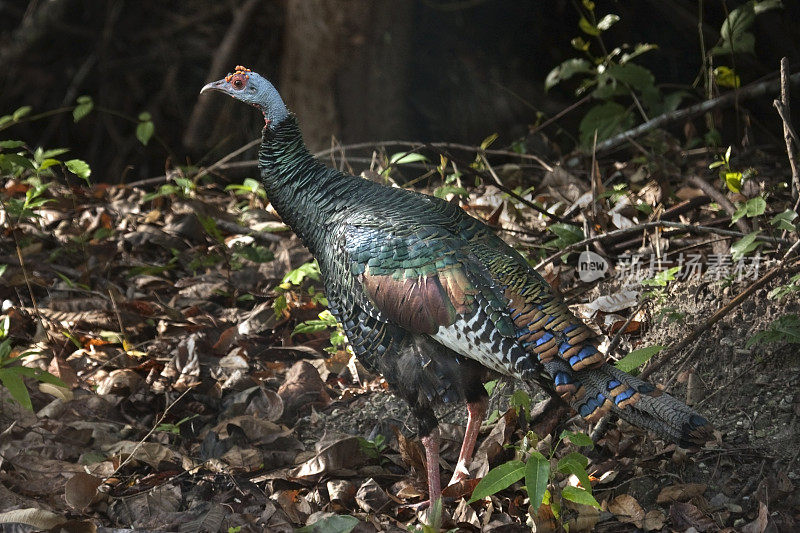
(431, 444)
(475, 413)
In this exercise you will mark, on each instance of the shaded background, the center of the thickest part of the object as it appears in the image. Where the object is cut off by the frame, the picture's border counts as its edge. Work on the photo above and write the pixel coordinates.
(357, 70)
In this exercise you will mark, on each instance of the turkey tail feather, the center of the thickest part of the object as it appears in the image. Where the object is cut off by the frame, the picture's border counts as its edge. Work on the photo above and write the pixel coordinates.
(646, 407)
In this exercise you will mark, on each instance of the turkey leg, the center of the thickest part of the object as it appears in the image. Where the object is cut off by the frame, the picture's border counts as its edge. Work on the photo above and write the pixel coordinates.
(475, 412)
(431, 444)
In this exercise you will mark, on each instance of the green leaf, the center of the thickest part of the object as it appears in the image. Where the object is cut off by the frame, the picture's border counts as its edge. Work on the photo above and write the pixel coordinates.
(588, 28)
(578, 439)
(537, 473)
(663, 278)
(784, 221)
(607, 21)
(744, 246)
(734, 37)
(497, 479)
(331, 524)
(733, 180)
(638, 49)
(79, 167)
(47, 163)
(578, 495)
(638, 357)
(17, 160)
(21, 112)
(575, 464)
(566, 70)
(11, 144)
(52, 152)
(784, 290)
(520, 399)
(633, 75)
(3, 269)
(295, 277)
(727, 77)
(11, 379)
(487, 142)
(145, 128)
(608, 119)
(404, 158)
(310, 326)
(754, 207)
(84, 107)
(578, 43)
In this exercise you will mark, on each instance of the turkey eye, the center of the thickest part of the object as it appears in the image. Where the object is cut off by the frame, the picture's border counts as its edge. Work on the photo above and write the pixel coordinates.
(238, 83)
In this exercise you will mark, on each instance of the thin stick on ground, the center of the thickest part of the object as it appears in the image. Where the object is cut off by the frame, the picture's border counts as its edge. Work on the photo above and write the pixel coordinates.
(689, 228)
(152, 430)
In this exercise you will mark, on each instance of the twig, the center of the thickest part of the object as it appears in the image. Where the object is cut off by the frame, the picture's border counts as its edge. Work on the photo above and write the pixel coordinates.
(713, 319)
(414, 145)
(721, 199)
(206, 170)
(158, 423)
(784, 110)
(751, 91)
(618, 336)
(690, 228)
(491, 178)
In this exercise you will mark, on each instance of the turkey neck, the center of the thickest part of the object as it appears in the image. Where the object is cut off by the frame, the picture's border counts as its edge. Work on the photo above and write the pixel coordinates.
(303, 191)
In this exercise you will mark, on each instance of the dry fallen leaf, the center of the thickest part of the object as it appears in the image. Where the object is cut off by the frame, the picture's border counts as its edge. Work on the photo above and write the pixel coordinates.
(333, 454)
(627, 509)
(686, 515)
(759, 525)
(680, 492)
(81, 489)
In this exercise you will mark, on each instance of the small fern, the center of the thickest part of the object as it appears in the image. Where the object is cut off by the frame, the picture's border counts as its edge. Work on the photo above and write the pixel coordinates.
(784, 329)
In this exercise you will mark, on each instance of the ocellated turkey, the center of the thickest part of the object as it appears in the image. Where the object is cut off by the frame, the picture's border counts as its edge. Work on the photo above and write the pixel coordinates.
(431, 298)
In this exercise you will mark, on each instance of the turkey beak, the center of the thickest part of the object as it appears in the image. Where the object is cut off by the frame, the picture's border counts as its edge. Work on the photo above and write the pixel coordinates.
(213, 86)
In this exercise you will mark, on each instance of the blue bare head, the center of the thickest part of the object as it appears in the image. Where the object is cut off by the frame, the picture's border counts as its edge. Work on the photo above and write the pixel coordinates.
(252, 88)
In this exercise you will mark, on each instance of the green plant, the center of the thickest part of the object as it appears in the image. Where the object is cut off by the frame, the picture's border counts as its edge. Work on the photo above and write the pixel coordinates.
(785, 329)
(250, 187)
(326, 321)
(659, 284)
(780, 292)
(11, 374)
(182, 187)
(608, 76)
(451, 181)
(293, 280)
(175, 429)
(534, 467)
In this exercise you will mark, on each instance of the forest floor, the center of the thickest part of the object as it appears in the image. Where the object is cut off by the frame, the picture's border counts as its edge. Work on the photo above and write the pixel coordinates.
(192, 402)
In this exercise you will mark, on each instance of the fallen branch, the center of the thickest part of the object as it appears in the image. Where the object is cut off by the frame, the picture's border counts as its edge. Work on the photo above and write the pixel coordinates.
(689, 228)
(751, 91)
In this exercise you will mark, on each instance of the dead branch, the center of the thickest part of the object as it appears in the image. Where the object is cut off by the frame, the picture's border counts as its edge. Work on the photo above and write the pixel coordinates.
(689, 228)
(789, 135)
(753, 90)
(721, 199)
